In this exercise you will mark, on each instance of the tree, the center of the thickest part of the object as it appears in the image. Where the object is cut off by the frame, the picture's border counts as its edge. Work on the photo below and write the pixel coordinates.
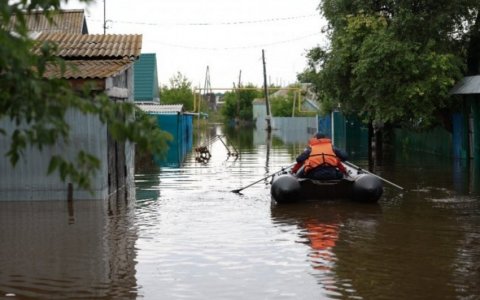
(238, 104)
(281, 106)
(37, 105)
(392, 61)
(285, 105)
(178, 92)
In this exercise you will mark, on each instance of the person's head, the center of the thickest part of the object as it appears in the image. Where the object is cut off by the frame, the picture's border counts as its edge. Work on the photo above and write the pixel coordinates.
(320, 135)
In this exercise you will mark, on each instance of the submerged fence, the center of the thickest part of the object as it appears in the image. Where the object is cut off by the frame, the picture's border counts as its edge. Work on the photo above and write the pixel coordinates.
(294, 129)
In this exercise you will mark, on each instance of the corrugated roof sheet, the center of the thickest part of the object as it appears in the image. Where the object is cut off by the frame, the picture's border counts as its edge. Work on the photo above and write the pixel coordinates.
(94, 46)
(259, 101)
(69, 21)
(89, 69)
(161, 109)
(145, 78)
(468, 85)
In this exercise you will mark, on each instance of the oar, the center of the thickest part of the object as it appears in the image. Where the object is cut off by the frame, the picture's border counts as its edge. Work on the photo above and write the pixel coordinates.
(365, 171)
(240, 189)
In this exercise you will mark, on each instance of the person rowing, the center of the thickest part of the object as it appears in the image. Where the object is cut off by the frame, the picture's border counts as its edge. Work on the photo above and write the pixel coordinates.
(320, 160)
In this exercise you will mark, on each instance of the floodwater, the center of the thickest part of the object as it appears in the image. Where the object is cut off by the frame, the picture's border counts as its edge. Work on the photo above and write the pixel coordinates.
(187, 236)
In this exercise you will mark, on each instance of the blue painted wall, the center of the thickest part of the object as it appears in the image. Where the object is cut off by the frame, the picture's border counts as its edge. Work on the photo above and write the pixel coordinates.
(180, 126)
(325, 124)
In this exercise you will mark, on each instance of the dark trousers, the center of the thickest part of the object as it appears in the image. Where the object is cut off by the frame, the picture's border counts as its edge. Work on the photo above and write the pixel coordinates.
(321, 173)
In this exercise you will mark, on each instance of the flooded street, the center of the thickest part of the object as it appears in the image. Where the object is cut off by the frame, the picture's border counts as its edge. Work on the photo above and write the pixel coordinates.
(187, 236)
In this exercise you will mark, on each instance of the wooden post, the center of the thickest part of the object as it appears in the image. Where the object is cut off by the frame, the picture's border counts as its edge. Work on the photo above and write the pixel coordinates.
(71, 216)
(265, 88)
(70, 192)
(238, 94)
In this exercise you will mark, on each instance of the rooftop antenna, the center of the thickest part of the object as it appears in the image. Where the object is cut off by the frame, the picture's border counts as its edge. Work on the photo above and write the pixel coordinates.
(104, 17)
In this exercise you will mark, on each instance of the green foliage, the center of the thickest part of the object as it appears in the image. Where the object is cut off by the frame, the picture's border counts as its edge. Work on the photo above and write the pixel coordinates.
(389, 61)
(288, 105)
(281, 106)
(178, 92)
(238, 104)
(38, 105)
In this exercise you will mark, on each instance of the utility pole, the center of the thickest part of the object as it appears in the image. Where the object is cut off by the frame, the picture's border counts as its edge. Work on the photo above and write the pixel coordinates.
(238, 94)
(265, 88)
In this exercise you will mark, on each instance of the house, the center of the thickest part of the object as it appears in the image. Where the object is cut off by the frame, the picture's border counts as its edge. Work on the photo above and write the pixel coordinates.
(289, 129)
(146, 79)
(106, 62)
(176, 121)
(67, 21)
(466, 123)
(170, 118)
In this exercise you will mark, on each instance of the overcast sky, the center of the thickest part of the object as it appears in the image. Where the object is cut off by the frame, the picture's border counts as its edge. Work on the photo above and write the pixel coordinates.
(225, 35)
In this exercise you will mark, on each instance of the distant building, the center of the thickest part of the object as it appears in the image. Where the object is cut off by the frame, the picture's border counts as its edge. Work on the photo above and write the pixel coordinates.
(146, 79)
(176, 121)
(259, 110)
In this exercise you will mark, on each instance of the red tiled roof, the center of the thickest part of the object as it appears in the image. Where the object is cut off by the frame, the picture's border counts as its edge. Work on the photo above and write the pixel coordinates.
(94, 46)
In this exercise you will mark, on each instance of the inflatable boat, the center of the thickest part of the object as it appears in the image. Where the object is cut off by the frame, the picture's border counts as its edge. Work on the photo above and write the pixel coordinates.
(358, 185)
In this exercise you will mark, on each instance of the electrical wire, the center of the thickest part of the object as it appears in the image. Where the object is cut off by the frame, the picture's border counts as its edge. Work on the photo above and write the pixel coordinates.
(237, 47)
(279, 19)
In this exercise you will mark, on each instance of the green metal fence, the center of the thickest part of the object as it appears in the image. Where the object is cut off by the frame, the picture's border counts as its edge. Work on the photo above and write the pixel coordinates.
(436, 141)
(350, 134)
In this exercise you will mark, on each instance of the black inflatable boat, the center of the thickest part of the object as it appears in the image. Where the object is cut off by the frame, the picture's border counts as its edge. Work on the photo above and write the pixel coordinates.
(358, 186)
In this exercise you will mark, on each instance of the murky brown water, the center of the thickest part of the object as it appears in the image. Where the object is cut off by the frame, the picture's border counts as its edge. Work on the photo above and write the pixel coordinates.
(188, 237)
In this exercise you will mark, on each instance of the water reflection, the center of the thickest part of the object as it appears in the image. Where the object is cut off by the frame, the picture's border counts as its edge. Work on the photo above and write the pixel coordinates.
(323, 226)
(189, 237)
(147, 183)
(47, 255)
(420, 171)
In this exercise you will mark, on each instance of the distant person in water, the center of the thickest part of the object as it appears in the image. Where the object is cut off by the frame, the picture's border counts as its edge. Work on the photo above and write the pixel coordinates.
(320, 160)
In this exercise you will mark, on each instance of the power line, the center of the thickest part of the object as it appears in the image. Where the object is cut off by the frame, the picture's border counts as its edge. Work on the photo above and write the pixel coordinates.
(237, 47)
(280, 19)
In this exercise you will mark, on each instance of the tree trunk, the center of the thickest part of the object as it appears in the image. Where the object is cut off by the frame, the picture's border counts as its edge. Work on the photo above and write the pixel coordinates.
(473, 55)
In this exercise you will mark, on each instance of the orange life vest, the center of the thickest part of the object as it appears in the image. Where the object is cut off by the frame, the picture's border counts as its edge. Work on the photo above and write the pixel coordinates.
(322, 154)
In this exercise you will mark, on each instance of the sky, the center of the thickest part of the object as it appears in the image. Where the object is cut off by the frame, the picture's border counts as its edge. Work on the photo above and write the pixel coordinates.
(224, 36)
